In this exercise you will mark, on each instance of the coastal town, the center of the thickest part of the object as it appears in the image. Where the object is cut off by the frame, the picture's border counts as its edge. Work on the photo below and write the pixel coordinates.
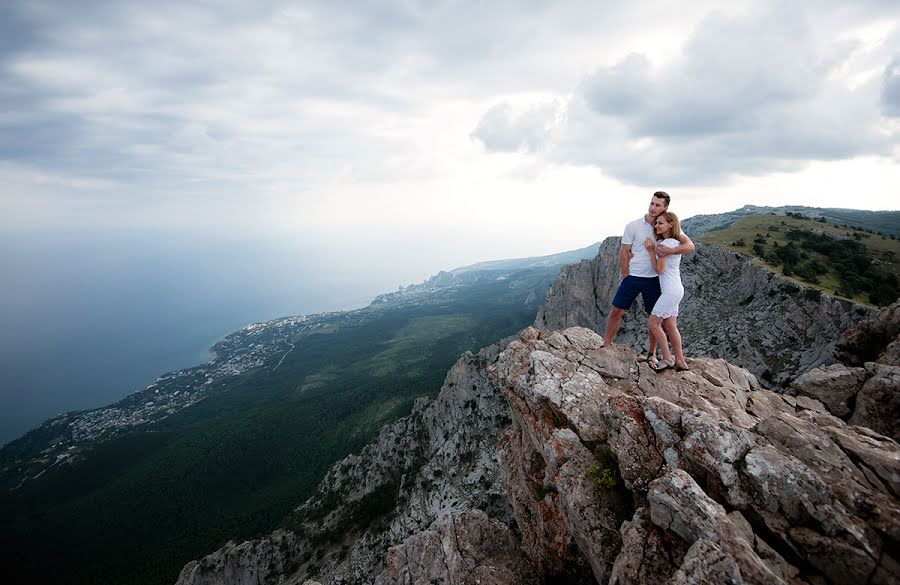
(61, 439)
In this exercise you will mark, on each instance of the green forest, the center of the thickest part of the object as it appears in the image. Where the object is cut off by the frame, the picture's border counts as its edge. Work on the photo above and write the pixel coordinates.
(855, 263)
(234, 465)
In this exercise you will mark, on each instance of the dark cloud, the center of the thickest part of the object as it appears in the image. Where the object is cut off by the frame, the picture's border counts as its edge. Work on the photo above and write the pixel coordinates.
(620, 90)
(890, 89)
(16, 30)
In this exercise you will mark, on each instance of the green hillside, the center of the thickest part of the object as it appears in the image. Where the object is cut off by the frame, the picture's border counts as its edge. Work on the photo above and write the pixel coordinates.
(852, 264)
(136, 508)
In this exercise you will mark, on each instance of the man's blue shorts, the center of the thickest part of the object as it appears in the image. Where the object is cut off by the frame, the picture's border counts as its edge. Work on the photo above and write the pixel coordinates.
(648, 287)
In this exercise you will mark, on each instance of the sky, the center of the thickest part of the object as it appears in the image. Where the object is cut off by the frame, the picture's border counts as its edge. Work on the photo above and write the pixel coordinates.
(412, 136)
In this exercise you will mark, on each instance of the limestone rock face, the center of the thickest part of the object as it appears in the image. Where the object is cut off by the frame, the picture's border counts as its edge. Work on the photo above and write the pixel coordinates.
(876, 339)
(467, 548)
(731, 309)
(439, 460)
(247, 563)
(550, 458)
(867, 395)
(721, 480)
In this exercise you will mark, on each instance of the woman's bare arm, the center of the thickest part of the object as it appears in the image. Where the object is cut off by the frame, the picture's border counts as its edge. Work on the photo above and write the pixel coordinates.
(658, 262)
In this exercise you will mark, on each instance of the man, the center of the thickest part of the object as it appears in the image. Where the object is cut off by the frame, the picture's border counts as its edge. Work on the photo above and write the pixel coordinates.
(638, 275)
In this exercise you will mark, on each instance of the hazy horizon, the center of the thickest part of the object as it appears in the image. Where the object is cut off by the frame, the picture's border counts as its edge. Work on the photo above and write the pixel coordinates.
(89, 318)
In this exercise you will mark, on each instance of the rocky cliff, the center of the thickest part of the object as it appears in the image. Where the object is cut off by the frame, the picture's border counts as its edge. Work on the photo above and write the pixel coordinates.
(732, 309)
(429, 476)
(863, 388)
(549, 459)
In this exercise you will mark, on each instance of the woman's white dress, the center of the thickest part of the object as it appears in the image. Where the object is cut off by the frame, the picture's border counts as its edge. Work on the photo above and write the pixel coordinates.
(669, 284)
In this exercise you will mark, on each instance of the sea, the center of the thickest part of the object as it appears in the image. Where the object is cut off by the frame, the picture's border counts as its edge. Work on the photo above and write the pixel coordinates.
(88, 317)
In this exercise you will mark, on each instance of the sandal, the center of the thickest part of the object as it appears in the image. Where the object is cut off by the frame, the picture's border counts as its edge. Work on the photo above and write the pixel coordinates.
(683, 367)
(652, 361)
(664, 365)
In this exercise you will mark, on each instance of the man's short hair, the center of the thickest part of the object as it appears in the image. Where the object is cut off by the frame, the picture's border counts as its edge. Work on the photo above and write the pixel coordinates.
(663, 195)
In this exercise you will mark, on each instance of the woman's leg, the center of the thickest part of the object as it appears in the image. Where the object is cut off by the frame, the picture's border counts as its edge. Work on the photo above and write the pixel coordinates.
(654, 324)
(671, 329)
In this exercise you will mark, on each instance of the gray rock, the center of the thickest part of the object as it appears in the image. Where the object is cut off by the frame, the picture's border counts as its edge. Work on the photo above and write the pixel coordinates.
(438, 460)
(876, 339)
(594, 468)
(465, 548)
(247, 563)
(688, 446)
(835, 386)
(878, 401)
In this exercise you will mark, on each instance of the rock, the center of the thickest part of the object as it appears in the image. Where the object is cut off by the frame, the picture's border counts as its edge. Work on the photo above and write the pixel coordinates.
(867, 395)
(247, 563)
(732, 309)
(878, 401)
(438, 460)
(835, 386)
(550, 458)
(466, 548)
(876, 339)
(688, 447)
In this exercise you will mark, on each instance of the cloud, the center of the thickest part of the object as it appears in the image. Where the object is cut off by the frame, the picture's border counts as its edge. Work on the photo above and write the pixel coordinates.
(283, 101)
(748, 94)
(890, 89)
(504, 129)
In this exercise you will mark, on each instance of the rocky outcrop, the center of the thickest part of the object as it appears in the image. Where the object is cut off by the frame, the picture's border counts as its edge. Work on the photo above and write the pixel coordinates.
(728, 482)
(595, 469)
(552, 459)
(248, 563)
(864, 389)
(877, 339)
(732, 309)
(467, 548)
(438, 461)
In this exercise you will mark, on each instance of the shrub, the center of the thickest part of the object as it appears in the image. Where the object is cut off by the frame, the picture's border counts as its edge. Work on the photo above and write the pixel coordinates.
(603, 477)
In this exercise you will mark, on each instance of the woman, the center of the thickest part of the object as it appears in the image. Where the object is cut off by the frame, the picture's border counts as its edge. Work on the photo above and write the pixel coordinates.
(662, 320)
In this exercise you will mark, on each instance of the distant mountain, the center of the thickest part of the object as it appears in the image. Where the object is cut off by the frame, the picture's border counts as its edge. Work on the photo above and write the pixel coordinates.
(486, 271)
(570, 257)
(886, 222)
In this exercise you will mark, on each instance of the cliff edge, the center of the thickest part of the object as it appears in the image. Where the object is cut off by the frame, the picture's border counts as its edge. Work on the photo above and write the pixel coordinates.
(548, 458)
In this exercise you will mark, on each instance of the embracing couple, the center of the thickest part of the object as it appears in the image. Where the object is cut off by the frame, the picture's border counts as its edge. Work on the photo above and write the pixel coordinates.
(650, 260)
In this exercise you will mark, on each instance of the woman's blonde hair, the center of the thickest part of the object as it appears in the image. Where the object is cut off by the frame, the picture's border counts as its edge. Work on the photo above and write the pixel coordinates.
(676, 225)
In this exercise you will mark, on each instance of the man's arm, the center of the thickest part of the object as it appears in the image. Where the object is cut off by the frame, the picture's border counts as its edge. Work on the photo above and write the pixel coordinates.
(624, 257)
(685, 247)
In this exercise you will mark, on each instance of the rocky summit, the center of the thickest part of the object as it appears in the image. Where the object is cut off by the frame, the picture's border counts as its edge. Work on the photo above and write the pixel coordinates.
(551, 459)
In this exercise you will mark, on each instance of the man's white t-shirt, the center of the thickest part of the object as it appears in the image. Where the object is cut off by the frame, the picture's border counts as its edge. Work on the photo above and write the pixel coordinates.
(636, 233)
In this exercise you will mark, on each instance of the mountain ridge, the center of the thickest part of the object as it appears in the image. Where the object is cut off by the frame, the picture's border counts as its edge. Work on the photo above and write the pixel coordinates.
(711, 474)
(612, 473)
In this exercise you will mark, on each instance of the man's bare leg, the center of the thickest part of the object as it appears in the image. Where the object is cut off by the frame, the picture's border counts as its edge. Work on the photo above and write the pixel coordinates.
(612, 325)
